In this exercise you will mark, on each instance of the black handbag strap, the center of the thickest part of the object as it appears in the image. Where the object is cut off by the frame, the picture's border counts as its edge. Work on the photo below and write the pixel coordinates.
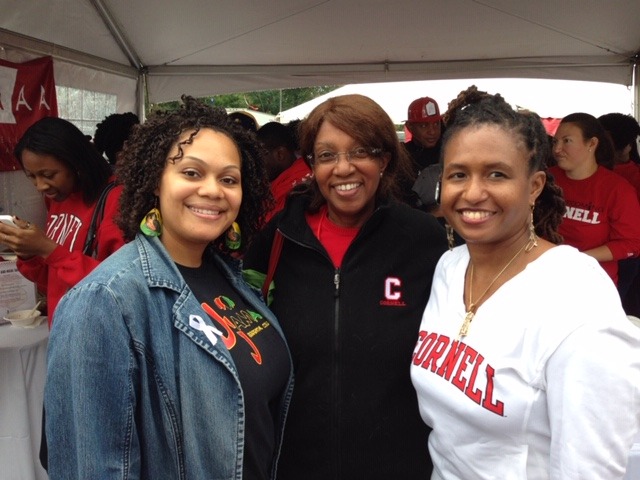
(96, 219)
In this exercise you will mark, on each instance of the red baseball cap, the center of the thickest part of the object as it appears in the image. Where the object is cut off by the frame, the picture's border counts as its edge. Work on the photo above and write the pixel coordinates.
(424, 109)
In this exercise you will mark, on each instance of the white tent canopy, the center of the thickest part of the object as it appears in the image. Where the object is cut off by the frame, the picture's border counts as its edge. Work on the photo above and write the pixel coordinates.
(204, 47)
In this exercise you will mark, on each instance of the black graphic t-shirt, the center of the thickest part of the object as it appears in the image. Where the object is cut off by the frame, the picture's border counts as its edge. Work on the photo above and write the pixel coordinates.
(259, 354)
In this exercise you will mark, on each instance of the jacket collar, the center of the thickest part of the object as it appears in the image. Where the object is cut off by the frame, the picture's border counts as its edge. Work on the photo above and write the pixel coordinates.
(290, 225)
(160, 270)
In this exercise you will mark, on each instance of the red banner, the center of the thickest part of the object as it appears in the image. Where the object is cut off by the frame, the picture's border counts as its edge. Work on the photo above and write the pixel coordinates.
(27, 94)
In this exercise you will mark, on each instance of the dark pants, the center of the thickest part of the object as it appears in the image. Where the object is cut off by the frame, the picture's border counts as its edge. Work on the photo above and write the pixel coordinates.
(629, 285)
(44, 451)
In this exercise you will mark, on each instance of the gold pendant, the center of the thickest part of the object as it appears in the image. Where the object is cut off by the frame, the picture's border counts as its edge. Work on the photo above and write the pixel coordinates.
(464, 329)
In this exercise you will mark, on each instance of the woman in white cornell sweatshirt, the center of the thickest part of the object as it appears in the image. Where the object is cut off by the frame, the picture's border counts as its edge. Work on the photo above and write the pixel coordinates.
(526, 366)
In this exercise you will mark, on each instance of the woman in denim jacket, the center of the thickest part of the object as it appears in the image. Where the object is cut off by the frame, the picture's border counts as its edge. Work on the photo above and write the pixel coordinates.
(163, 363)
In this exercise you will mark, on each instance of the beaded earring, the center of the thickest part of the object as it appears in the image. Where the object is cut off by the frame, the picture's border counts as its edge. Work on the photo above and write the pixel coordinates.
(533, 238)
(451, 241)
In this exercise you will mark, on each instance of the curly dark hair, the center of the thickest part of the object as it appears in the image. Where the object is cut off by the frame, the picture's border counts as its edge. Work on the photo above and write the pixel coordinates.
(474, 107)
(145, 156)
(368, 123)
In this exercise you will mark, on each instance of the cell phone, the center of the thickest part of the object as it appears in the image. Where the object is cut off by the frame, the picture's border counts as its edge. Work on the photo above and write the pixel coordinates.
(8, 220)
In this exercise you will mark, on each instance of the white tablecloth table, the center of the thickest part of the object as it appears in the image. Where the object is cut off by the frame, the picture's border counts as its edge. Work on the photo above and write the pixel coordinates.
(23, 353)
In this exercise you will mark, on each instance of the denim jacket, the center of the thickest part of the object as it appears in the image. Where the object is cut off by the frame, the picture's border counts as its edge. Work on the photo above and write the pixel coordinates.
(139, 382)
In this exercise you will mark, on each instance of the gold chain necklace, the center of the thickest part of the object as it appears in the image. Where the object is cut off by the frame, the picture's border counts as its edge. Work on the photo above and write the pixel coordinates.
(471, 311)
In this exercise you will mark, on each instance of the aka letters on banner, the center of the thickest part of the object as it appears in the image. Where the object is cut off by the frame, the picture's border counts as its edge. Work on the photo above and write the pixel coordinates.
(27, 94)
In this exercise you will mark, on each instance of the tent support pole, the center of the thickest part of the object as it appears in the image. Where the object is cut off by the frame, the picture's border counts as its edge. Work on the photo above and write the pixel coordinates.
(142, 95)
(635, 85)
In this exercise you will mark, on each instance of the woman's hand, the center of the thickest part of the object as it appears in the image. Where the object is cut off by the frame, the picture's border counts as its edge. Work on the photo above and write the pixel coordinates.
(601, 253)
(26, 240)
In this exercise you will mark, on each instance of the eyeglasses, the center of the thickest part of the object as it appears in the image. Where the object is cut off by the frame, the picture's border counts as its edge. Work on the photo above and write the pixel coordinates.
(327, 157)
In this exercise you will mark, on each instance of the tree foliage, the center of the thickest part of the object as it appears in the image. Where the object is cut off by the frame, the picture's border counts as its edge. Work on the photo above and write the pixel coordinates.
(267, 101)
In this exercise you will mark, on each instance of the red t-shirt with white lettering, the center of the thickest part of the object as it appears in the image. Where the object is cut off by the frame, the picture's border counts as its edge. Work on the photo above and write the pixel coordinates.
(67, 225)
(601, 210)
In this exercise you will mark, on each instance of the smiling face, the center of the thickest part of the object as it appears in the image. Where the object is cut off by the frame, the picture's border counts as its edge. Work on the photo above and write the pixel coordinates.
(349, 187)
(200, 195)
(574, 153)
(486, 187)
(49, 175)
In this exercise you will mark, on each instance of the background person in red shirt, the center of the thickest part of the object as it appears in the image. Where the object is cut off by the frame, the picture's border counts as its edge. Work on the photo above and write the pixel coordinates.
(602, 212)
(69, 172)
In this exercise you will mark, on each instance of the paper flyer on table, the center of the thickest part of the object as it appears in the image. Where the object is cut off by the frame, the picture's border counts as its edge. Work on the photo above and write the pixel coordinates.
(16, 292)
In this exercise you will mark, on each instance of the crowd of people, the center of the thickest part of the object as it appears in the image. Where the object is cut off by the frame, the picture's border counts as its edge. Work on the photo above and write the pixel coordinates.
(321, 301)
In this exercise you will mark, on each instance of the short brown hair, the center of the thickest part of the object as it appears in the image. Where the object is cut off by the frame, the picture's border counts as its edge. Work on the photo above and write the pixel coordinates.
(366, 121)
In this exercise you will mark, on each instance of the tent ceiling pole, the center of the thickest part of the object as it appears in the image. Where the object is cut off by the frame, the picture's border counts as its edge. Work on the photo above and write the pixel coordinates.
(635, 84)
(142, 94)
(118, 34)
(439, 67)
(38, 47)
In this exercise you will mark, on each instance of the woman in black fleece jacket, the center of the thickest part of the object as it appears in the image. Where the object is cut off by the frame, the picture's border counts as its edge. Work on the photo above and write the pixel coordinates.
(351, 283)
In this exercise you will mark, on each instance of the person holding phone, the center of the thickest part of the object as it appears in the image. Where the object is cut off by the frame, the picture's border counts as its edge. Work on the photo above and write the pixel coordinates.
(71, 176)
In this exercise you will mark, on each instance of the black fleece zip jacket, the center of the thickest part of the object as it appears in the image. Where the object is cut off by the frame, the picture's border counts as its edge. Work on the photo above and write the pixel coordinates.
(351, 331)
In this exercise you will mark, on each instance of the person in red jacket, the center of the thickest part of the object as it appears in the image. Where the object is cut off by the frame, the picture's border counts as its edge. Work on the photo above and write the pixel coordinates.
(602, 215)
(71, 175)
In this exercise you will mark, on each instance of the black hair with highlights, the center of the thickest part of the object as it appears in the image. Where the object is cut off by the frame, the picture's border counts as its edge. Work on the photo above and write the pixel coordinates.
(473, 107)
(146, 154)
